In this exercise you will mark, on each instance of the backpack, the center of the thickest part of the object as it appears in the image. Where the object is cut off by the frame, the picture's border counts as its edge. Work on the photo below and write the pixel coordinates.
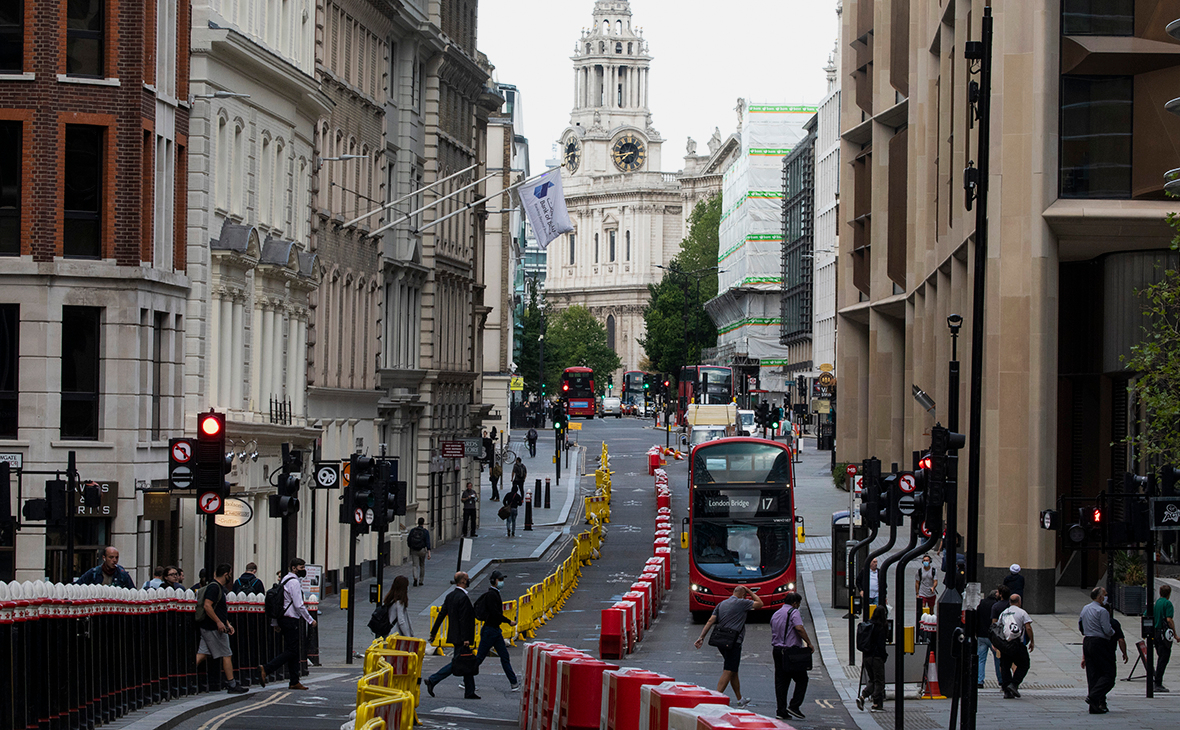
(276, 599)
(379, 622)
(416, 540)
(483, 608)
(199, 614)
(864, 636)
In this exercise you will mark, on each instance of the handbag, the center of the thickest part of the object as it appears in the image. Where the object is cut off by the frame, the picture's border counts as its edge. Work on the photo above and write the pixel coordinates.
(798, 658)
(722, 637)
(464, 664)
(1003, 644)
(504, 512)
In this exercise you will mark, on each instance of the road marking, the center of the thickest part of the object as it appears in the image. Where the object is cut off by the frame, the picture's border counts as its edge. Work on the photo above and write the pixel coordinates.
(217, 721)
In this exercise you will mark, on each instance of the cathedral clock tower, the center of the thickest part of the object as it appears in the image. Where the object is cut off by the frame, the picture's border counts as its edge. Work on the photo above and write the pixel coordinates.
(626, 212)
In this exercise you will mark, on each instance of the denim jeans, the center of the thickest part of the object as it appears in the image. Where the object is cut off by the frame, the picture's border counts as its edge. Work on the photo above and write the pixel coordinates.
(492, 638)
(985, 648)
(510, 523)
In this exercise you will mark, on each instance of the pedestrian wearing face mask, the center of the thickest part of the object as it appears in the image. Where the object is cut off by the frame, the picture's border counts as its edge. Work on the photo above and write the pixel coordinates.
(925, 584)
(294, 612)
(489, 608)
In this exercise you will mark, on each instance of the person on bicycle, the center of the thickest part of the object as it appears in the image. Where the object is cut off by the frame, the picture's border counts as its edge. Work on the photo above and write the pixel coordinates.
(532, 438)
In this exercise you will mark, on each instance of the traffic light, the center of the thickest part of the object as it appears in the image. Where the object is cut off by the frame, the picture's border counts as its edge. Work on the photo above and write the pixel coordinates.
(1093, 519)
(666, 388)
(610, 382)
(358, 497)
(762, 414)
(887, 500)
(286, 501)
(776, 419)
(1169, 475)
(211, 462)
(558, 417)
(383, 512)
(870, 510)
(942, 441)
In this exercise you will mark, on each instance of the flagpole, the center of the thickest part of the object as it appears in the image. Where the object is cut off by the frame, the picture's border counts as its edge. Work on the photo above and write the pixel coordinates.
(354, 221)
(408, 216)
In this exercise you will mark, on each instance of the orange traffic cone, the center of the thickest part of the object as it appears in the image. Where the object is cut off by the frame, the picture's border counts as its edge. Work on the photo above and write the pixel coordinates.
(930, 690)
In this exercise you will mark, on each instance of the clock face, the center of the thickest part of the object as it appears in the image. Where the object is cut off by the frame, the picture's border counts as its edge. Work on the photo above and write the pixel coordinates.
(628, 153)
(572, 155)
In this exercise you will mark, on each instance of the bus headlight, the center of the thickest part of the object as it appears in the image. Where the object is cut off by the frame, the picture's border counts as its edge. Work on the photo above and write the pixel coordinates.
(785, 588)
(699, 589)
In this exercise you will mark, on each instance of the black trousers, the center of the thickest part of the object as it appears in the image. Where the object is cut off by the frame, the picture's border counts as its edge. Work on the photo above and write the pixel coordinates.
(874, 668)
(1100, 668)
(782, 682)
(532, 448)
(290, 653)
(1019, 657)
(1164, 649)
(469, 518)
(495, 486)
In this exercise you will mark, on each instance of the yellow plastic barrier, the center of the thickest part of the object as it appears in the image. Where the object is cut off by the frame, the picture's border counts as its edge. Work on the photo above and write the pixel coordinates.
(440, 638)
(508, 630)
(374, 724)
(394, 707)
(526, 619)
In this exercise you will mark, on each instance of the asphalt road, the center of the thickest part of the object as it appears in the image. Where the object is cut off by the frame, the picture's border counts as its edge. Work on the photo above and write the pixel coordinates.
(667, 647)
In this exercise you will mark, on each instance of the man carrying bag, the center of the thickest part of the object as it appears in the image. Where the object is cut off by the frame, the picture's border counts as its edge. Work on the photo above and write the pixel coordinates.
(792, 656)
(460, 615)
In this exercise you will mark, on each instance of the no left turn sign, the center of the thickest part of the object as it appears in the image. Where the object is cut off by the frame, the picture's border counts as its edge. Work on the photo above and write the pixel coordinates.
(182, 451)
(358, 516)
(907, 484)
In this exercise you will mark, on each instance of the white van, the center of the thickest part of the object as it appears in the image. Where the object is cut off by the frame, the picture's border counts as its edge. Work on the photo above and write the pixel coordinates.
(612, 407)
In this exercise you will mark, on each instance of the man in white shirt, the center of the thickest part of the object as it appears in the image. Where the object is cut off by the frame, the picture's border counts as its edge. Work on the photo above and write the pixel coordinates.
(293, 613)
(1015, 624)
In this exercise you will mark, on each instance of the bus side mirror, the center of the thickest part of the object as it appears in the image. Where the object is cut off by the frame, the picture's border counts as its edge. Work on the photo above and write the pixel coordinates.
(684, 534)
(801, 530)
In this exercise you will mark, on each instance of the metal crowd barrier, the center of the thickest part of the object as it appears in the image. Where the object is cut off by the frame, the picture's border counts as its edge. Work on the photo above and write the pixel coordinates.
(73, 657)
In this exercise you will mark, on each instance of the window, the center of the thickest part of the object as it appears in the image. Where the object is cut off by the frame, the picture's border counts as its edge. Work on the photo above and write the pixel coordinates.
(595, 248)
(572, 249)
(79, 372)
(628, 246)
(1096, 136)
(84, 38)
(9, 364)
(610, 331)
(83, 191)
(10, 188)
(1098, 17)
(12, 41)
(618, 47)
(612, 246)
(158, 340)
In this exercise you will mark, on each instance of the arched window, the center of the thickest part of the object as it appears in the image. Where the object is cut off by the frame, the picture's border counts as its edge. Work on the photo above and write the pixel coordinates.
(618, 47)
(610, 331)
(237, 195)
(223, 155)
(618, 27)
(629, 47)
(606, 27)
(602, 46)
(265, 184)
(588, 47)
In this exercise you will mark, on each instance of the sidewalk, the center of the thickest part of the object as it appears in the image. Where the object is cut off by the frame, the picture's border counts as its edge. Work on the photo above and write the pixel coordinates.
(1052, 694)
(491, 547)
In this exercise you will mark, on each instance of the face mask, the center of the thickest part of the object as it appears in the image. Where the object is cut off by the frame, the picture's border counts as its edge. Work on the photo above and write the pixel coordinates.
(302, 573)
(926, 564)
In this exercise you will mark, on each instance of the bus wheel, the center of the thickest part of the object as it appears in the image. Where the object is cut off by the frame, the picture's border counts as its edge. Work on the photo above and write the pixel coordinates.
(700, 617)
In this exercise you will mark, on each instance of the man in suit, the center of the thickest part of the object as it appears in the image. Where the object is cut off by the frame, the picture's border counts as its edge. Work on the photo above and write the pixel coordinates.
(460, 633)
(492, 636)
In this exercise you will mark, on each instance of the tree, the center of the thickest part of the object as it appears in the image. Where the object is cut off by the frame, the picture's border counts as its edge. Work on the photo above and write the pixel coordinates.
(575, 337)
(1156, 362)
(530, 346)
(677, 304)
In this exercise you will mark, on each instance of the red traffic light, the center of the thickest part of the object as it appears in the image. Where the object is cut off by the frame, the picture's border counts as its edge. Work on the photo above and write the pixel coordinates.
(565, 386)
(1094, 515)
(211, 425)
(925, 462)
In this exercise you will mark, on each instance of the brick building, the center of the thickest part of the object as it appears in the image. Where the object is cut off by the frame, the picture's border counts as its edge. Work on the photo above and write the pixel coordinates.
(94, 122)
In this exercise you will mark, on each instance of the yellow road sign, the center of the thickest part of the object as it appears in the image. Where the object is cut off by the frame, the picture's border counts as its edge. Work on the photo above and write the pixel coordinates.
(575, 426)
(516, 383)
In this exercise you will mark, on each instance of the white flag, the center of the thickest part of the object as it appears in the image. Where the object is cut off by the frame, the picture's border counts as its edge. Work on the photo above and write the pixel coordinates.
(544, 204)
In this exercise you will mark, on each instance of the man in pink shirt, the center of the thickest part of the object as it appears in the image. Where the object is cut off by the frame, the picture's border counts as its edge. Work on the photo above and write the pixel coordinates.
(294, 614)
(786, 634)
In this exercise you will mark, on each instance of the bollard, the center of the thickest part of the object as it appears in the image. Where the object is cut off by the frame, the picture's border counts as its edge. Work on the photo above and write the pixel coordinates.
(528, 511)
(580, 708)
(620, 696)
(546, 492)
(537, 495)
(656, 700)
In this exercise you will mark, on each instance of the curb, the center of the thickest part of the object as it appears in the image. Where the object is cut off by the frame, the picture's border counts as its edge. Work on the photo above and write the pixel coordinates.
(835, 669)
(168, 715)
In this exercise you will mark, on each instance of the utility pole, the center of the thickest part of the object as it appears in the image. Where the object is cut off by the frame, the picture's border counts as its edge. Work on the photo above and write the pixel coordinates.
(981, 52)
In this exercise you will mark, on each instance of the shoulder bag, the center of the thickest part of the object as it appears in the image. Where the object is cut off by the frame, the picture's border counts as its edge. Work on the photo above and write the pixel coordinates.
(798, 658)
(463, 663)
(723, 638)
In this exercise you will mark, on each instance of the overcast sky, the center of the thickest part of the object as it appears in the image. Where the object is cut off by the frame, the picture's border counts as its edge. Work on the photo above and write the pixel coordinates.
(705, 55)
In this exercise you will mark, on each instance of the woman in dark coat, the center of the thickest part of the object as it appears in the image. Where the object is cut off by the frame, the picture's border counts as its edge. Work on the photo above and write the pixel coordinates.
(873, 661)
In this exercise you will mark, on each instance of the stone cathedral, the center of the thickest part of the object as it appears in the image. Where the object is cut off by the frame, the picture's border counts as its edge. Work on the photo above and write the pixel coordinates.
(627, 214)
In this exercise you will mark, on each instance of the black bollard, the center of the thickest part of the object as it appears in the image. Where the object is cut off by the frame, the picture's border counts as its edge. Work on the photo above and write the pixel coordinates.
(537, 494)
(546, 492)
(528, 512)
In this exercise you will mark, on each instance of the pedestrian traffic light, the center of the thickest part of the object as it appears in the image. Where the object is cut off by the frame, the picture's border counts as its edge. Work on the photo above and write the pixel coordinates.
(1093, 519)
(285, 502)
(211, 462)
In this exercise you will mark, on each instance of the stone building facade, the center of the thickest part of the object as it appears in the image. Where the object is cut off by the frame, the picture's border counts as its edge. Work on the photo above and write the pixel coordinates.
(94, 137)
(1079, 148)
(627, 214)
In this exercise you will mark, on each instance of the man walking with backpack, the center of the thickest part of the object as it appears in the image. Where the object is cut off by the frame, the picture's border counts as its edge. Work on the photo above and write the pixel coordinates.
(418, 541)
(284, 607)
(531, 436)
(1013, 625)
(519, 473)
(489, 608)
(248, 582)
(212, 617)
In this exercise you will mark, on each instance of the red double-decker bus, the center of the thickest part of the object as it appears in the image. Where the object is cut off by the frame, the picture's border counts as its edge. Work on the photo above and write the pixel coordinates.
(577, 391)
(633, 387)
(705, 385)
(741, 522)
